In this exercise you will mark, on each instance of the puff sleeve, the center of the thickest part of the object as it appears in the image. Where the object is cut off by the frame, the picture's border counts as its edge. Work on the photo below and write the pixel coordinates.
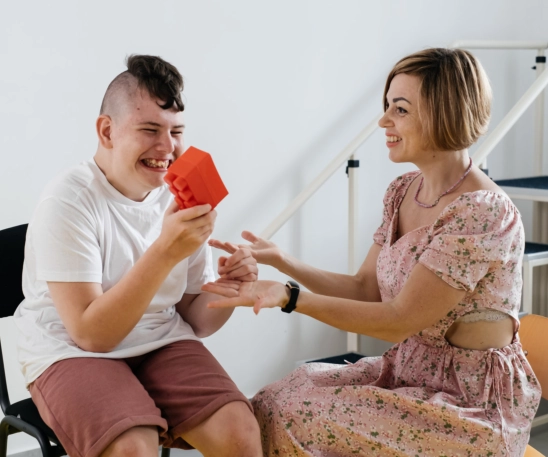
(392, 199)
(477, 233)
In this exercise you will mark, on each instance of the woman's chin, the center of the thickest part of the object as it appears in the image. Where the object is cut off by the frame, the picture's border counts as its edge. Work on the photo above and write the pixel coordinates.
(396, 158)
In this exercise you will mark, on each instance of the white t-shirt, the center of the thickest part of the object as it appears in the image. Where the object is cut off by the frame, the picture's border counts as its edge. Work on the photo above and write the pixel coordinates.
(84, 230)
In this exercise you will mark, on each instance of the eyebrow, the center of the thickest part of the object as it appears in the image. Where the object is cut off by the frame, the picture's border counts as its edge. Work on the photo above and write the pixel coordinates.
(155, 124)
(397, 99)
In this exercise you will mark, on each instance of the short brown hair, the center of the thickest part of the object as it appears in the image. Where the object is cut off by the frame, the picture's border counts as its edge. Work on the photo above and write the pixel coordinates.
(455, 96)
(159, 78)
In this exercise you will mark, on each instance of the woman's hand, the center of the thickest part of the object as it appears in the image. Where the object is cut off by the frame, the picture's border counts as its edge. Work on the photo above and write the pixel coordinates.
(256, 294)
(263, 251)
(240, 266)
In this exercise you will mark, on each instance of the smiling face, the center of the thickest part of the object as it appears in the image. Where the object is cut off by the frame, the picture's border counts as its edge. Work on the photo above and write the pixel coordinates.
(138, 143)
(404, 130)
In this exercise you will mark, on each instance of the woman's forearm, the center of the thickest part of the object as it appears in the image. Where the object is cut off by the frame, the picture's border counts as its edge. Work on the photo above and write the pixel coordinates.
(362, 286)
(423, 301)
(323, 282)
(380, 320)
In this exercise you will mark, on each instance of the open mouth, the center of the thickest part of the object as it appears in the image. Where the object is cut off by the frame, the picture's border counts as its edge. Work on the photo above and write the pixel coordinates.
(393, 139)
(156, 163)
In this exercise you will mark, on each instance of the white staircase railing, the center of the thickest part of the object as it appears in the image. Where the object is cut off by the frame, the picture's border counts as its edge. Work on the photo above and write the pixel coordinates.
(346, 154)
(325, 174)
(535, 92)
(486, 44)
(511, 118)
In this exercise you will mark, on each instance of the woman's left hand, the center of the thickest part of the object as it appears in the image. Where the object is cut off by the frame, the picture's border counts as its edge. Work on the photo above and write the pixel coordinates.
(256, 294)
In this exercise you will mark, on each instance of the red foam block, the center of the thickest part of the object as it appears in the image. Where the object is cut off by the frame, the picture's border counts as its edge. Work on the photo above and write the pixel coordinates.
(194, 180)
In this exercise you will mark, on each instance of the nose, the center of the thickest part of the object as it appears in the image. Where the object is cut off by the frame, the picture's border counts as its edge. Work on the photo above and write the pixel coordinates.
(166, 143)
(385, 121)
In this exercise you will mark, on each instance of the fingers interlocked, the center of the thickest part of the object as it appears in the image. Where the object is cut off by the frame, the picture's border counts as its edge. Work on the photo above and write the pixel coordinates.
(240, 266)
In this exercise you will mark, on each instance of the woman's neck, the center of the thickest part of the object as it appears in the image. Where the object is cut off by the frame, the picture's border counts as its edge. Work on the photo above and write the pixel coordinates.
(441, 172)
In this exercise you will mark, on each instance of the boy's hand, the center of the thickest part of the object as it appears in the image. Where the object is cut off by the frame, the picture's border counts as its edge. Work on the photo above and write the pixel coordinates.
(240, 266)
(265, 252)
(184, 231)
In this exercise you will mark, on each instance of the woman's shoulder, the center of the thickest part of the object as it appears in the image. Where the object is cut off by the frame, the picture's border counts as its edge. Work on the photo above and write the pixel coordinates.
(398, 187)
(478, 212)
(403, 181)
(482, 199)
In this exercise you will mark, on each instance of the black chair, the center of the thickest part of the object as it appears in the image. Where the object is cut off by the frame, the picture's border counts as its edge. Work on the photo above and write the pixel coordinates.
(22, 416)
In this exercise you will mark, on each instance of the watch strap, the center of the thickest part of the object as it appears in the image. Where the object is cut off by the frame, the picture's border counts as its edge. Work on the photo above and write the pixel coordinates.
(294, 290)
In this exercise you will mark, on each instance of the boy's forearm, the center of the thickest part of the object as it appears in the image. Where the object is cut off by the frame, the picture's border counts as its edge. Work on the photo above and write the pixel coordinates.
(203, 320)
(110, 317)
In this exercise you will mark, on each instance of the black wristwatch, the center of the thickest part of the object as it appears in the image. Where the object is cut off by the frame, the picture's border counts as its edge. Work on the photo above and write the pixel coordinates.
(294, 290)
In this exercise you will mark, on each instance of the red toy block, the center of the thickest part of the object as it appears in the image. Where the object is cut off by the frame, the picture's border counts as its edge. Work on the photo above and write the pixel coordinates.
(194, 180)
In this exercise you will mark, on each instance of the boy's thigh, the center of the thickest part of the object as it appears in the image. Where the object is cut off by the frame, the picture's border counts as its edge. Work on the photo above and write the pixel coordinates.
(189, 385)
(88, 402)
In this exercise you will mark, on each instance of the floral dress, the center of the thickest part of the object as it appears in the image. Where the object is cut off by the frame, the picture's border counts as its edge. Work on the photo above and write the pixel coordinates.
(423, 397)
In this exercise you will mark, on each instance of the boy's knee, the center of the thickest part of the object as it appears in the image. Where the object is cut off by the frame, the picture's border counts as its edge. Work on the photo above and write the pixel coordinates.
(242, 437)
(137, 442)
(231, 431)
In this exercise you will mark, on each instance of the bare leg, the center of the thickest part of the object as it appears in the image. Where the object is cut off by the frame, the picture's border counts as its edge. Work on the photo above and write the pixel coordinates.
(232, 431)
(135, 442)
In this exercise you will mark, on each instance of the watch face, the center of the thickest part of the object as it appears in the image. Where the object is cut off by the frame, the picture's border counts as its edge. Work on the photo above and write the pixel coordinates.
(292, 285)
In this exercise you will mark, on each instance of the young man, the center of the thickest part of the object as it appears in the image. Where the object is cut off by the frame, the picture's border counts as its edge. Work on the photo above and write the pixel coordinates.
(113, 313)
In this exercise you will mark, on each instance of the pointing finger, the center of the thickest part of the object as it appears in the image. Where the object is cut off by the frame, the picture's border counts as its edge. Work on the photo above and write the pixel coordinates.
(225, 246)
(248, 236)
(238, 257)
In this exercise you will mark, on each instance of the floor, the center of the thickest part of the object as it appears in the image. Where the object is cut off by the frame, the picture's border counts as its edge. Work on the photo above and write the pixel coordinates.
(179, 453)
(539, 439)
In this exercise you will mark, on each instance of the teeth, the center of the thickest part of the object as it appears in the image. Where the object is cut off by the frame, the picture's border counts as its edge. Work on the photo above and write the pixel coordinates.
(393, 139)
(156, 163)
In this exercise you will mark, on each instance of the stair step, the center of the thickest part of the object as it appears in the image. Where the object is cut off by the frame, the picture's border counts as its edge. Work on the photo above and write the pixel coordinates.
(342, 359)
(534, 182)
(533, 188)
(535, 251)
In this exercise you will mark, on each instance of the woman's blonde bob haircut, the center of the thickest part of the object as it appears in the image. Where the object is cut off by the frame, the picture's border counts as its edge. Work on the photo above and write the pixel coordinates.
(455, 96)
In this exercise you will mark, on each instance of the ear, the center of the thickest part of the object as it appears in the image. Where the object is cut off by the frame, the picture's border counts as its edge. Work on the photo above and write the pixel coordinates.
(103, 126)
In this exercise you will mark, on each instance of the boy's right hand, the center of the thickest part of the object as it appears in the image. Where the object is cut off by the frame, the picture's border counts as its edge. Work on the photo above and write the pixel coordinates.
(184, 231)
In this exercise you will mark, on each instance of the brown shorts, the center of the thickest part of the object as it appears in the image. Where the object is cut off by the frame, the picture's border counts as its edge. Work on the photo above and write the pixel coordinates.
(88, 402)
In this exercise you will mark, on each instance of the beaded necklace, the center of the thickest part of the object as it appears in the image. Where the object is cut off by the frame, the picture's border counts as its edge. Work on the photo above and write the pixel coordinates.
(445, 193)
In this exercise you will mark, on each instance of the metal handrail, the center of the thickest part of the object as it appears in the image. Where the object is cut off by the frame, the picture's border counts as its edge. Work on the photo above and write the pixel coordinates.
(511, 118)
(478, 157)
(486, 44)
(326, 173)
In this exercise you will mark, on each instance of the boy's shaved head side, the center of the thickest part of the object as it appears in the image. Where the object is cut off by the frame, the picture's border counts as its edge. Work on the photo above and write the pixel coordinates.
(161, 80)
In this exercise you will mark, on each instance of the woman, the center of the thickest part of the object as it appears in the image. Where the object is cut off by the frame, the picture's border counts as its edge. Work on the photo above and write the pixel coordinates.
(442, 280)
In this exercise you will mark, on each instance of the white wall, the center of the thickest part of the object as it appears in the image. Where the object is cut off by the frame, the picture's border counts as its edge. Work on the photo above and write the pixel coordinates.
(273, 90)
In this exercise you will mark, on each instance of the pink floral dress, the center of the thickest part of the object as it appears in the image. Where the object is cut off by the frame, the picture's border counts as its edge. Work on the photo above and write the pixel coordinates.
(423, 397)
